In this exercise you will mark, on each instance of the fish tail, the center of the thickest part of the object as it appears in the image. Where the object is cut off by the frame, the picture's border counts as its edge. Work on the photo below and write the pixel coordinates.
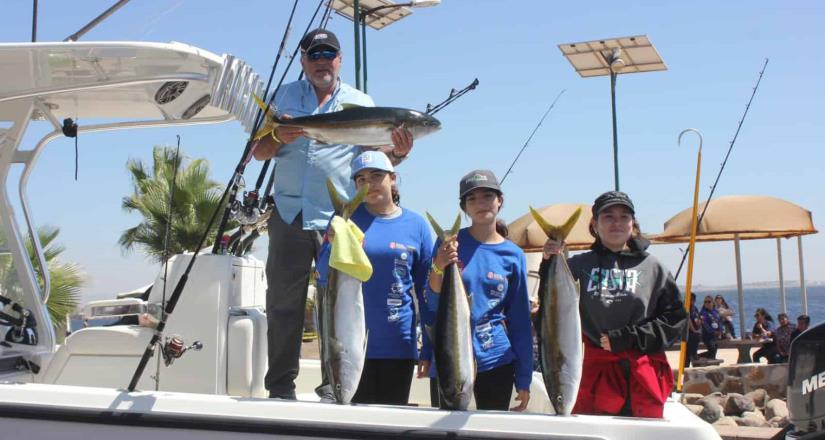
(338, 204)
(438, 231)
(456, 225)
(559, 232)
(359, 197)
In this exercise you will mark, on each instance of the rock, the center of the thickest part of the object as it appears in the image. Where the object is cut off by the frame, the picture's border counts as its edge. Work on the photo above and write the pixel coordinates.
(715, 375)
(733, 385)
(711, 411)
(702, 387)
(726, 421)
(759, 397)
(752, 418)
(778, 422)
(737, 404)
(695, 409)
(717, 397)
(693, 398)
(776, 408)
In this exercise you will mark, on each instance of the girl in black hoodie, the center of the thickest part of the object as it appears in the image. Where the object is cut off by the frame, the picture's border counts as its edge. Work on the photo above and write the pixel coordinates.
(631, 311)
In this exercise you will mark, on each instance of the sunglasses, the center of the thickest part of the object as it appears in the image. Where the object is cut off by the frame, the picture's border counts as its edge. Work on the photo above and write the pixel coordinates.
(325, 54)
(708, 302)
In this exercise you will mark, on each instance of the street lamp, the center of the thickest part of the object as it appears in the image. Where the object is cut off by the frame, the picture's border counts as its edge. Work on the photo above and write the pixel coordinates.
(391, 12)
(612, 57)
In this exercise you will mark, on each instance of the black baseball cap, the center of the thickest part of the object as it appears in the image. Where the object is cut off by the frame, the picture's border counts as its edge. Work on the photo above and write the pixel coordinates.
(478, 179)
(612, 198)
(319, 38)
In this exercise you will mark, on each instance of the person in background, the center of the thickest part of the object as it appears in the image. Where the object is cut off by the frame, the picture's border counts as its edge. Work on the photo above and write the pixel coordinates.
(782, 336)
(726, 312)
(802, 324)
(694, 332)
(763, 330)
(711, 327)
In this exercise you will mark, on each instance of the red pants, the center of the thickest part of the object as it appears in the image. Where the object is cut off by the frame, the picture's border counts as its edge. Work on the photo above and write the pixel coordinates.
(605, 388)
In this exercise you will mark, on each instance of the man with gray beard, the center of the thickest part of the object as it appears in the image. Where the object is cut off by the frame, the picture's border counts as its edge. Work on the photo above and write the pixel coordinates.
(302, 206)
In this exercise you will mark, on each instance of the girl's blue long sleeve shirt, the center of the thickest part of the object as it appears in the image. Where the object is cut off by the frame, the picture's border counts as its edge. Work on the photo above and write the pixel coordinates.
(495, 276)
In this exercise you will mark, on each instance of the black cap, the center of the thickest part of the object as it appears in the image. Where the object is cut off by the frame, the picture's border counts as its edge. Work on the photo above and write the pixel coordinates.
(319, 38)
(478, 179)
(612, 198)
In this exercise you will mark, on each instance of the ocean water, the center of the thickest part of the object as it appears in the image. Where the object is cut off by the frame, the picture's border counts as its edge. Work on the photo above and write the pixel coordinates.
(769, 299)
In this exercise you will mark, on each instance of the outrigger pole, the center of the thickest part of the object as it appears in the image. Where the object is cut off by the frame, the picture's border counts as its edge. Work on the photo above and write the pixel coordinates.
(75, 36)
(724, 162)
(233, 182)
(433, 109)
(694, 226)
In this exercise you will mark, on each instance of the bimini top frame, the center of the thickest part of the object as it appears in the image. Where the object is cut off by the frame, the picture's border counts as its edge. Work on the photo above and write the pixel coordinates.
(121, 85)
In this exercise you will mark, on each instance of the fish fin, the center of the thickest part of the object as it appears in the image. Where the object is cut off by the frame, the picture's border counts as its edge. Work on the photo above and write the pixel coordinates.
(337, 203)
(556, 232)
(438, 231)
(353, 204)
(349, 105)
(456, 225)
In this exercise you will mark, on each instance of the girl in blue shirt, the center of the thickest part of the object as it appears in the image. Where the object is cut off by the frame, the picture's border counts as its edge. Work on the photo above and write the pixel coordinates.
(494, 273)
(398, 243)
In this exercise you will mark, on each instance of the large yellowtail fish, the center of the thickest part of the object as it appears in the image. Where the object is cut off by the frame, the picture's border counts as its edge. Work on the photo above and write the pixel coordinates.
(560, 330)
(452, 337)
(341, 323)
(353, 125)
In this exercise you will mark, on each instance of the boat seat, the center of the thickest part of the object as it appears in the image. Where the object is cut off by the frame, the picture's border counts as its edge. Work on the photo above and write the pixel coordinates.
(122, 341)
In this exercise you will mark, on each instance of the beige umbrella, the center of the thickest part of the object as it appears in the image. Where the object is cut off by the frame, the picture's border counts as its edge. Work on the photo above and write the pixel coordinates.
(746, 218)
(525, 233)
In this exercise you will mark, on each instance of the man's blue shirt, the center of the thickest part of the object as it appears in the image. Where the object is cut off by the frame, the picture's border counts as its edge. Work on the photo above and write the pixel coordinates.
(303, 166)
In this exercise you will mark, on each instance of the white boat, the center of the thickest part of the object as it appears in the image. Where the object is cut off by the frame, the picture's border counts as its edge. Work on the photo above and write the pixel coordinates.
(76, 389)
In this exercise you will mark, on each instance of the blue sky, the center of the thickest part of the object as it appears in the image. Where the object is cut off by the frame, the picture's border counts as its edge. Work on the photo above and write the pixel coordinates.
(713, 50)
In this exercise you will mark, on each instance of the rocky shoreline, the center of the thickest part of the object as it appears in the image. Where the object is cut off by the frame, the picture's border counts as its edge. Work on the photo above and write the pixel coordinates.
(747, 395)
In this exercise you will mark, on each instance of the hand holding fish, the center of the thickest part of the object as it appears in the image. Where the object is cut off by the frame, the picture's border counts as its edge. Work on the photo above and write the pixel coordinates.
(447, 253)
(552, 247)
(423, 369)
(523, 397)
(402, 141)
(287, 134)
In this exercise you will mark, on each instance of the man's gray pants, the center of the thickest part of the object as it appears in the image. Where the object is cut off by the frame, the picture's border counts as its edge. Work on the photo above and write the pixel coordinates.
(291, 252)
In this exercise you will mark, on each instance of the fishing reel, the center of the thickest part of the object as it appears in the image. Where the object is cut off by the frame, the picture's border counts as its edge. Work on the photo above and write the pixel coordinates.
(23, 325)
(246, 211)
(175, 347)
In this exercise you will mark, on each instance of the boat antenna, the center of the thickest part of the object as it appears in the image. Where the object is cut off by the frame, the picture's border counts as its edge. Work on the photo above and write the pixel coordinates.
(527, 142)
(433, 109)
(231, 186)
(89, 26)
(724, 162)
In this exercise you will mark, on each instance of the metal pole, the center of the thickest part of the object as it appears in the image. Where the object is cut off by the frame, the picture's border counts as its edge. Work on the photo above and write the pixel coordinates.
(739, 286)
(75, 36)
(364, 51)
(34, 21)
(782, 304)
(802, 291)
(356, 20)
(615, 140)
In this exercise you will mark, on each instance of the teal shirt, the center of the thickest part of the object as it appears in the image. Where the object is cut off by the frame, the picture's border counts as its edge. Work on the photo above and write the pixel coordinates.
(303, 166)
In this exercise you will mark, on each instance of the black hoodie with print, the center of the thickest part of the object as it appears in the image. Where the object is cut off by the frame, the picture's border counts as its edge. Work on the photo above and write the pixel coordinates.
(629, 296)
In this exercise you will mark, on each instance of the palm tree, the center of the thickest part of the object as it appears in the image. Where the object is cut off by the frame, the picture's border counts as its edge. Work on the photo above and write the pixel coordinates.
(196, 197)
(66, 278)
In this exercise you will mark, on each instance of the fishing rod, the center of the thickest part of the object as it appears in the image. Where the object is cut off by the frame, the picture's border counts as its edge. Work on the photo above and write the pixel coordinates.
(251, 199)
(454, 95)
(524, 147)
(176, 293)
(724, 162)
(166, 234)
